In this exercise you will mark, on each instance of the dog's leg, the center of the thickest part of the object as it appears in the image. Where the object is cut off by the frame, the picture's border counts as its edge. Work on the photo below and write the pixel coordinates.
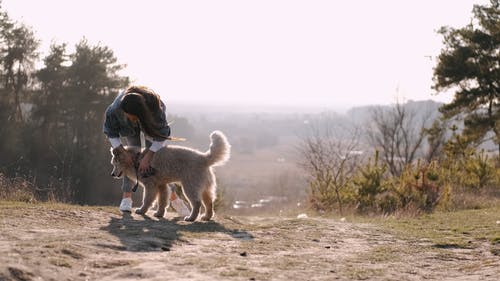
(208, 204)
(150, 192)
(162, 200)
(195, 210)
(193, 196)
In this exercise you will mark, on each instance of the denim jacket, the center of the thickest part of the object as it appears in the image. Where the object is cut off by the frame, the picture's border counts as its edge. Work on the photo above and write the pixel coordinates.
(116, 124)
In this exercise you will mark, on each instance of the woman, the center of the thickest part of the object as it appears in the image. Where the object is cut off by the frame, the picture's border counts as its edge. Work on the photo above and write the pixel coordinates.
(139, 109)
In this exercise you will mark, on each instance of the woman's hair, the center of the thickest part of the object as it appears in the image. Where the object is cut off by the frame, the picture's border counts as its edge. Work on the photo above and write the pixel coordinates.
(143, 102)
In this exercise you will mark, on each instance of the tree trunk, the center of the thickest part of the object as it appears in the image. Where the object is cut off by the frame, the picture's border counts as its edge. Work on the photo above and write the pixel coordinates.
(339, 200)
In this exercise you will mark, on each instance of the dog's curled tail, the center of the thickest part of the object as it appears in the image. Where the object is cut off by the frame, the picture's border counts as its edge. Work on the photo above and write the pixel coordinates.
(219, 151)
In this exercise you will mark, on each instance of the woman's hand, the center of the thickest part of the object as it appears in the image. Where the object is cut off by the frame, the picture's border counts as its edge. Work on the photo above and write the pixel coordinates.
(144, 165)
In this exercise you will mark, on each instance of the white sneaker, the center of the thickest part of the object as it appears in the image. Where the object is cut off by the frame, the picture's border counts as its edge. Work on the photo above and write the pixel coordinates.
(180, 207)
(126, 205)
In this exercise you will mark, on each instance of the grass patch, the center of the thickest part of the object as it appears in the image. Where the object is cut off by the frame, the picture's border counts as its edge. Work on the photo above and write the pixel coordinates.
(496, 240)
(449, 246)
(460, 229)
(383, 254)
(60, 262)
(364, 273)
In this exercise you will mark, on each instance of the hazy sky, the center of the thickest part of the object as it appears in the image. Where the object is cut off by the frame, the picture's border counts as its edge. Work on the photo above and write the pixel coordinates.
(323, 53)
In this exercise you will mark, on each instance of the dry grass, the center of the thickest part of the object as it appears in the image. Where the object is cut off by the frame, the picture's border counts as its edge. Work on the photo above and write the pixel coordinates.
(17, 189)
(463, 199)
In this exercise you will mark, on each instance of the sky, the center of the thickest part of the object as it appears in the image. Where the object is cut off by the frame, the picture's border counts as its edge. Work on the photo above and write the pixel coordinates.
(328, 54)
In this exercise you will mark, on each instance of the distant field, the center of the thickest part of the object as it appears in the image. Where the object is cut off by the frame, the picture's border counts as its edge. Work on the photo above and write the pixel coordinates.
(264, 172)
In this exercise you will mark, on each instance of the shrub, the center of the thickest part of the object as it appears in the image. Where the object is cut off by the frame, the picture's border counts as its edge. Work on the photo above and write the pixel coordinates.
(480, 170)
(421, 186)
(388, 202)
(370, 183)
(322, 196)
(16, 189)
(220, 203)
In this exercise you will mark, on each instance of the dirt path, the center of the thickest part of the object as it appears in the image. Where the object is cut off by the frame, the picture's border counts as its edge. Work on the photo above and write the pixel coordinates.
(61, 242)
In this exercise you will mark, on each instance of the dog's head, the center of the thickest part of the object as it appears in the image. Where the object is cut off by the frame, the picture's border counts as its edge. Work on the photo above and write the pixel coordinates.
(118, 160)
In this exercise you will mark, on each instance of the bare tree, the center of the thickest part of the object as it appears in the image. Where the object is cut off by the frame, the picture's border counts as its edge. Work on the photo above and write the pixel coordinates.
(330, 162)
(399, 134)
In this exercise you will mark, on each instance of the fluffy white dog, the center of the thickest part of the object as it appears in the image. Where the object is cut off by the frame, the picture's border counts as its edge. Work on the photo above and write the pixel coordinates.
(172, 163)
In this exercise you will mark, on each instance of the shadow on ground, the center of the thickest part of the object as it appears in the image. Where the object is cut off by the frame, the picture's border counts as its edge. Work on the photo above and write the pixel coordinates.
(144, 234)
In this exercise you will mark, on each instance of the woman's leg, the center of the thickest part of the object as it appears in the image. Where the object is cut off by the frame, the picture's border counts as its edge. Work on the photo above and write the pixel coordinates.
(127, 184)
(126, 203)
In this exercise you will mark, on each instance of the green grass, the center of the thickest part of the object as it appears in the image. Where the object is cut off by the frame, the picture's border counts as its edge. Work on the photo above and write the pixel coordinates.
(355, 273)
(460, 229)
(382, 254)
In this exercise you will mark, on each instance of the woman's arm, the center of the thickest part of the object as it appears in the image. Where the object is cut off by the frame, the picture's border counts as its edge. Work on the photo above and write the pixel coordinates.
(111, 126)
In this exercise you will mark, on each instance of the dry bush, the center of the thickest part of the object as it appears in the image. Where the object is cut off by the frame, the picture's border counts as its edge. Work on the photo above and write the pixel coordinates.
(221, 204)
(16, 189)
(331, 163)
(421, 185)
(399, 133)
(419, 188)
(465, 198)
(474, 177)
(24, 190)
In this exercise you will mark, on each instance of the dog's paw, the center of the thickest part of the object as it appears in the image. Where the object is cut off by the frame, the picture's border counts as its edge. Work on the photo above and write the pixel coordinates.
(140, 211)
(159, 214)
(205, 218)
(188, 218)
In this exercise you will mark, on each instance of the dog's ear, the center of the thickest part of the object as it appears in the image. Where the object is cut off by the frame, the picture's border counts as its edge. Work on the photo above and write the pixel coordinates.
(115, 151)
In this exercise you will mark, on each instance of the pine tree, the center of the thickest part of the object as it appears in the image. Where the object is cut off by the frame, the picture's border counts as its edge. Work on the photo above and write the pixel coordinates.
(469, 64)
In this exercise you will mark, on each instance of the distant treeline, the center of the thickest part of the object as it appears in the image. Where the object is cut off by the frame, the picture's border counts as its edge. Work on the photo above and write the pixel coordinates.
(51, 115)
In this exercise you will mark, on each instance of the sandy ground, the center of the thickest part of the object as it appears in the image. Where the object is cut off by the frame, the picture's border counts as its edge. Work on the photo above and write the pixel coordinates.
(62, 242)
